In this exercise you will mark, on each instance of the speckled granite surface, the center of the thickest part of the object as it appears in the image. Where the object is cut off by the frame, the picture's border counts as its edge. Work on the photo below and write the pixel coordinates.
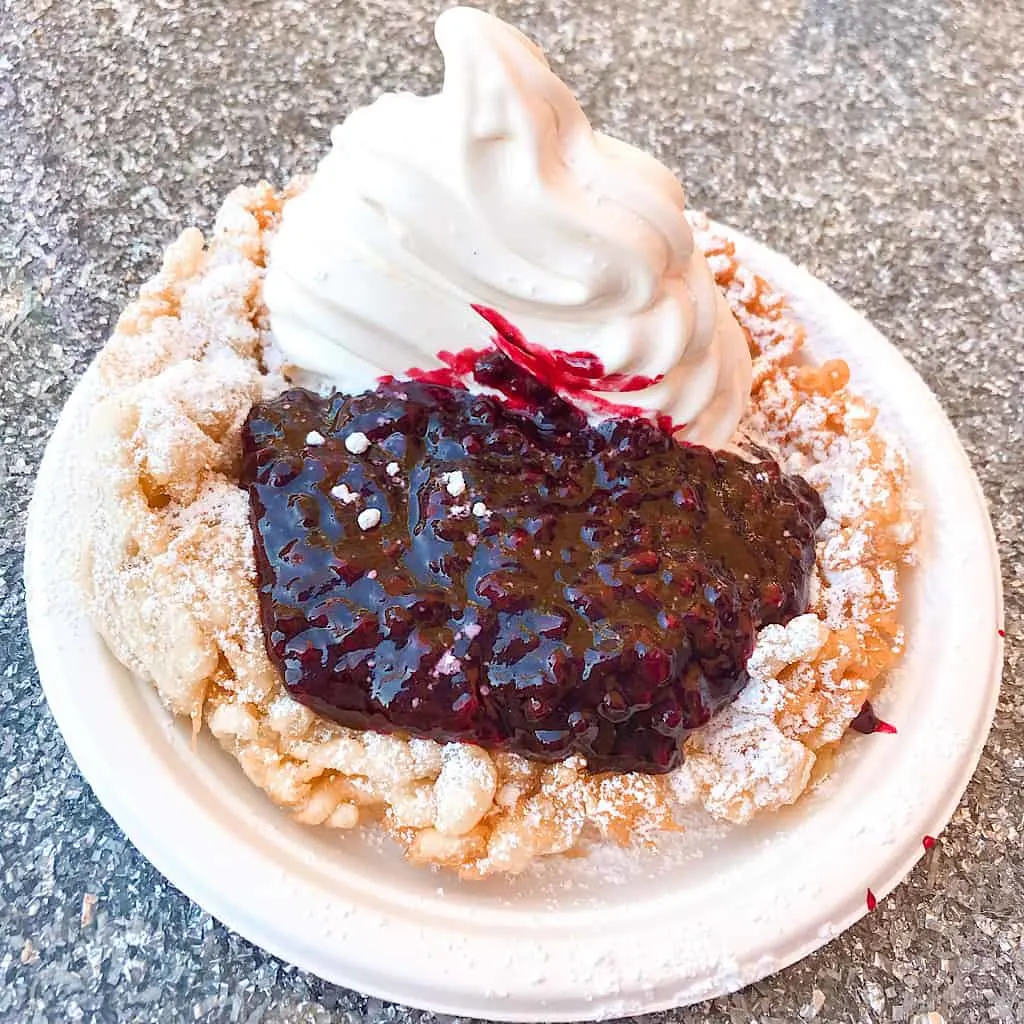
(877, 143)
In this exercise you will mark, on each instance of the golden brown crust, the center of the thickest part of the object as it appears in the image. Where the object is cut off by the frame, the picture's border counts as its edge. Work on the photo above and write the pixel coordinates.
(170, 582)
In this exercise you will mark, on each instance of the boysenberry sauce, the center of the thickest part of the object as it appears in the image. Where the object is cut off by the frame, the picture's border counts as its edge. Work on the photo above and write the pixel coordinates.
(535, 583)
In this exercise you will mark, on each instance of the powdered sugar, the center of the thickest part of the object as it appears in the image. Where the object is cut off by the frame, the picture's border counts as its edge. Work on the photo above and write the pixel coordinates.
(369, 518)
(357, 442)
(447, 665)
(344, 495)
(455, 483)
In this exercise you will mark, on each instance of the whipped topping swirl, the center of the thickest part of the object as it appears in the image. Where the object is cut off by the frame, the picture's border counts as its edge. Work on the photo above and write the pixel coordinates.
(497, 192)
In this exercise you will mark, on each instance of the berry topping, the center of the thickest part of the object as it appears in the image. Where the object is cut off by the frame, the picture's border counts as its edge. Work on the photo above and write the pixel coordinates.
(523, 580)
(868, 722)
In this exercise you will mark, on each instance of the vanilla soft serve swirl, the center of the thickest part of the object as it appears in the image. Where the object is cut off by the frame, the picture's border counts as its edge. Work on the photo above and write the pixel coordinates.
(498, 192)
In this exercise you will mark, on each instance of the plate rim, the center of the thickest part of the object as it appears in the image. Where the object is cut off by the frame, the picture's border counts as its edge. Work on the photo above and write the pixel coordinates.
(648, 994)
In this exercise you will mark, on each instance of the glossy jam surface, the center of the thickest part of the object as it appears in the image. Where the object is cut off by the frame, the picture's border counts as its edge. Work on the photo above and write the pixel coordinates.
(532, 583)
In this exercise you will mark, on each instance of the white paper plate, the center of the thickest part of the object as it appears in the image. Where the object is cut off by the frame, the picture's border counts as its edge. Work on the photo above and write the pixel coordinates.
(605, 936)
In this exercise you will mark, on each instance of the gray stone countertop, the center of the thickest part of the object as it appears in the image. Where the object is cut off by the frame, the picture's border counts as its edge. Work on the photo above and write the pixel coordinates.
(878, 143)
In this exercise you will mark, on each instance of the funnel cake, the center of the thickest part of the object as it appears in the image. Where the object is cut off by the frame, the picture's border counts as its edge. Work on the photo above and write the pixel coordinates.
(171, 581)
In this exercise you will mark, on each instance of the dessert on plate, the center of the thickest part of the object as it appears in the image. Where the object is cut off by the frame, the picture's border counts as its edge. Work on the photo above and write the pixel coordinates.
(472, 489)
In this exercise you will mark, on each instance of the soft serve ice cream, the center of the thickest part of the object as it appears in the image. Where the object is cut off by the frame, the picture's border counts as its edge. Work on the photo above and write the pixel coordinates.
(498, 193)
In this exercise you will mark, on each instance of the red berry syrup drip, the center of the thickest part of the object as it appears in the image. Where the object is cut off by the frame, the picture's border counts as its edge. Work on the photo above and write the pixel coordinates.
(872, 901)
(562, 371)
(575, 376)
(868, 722)
(457, 370)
